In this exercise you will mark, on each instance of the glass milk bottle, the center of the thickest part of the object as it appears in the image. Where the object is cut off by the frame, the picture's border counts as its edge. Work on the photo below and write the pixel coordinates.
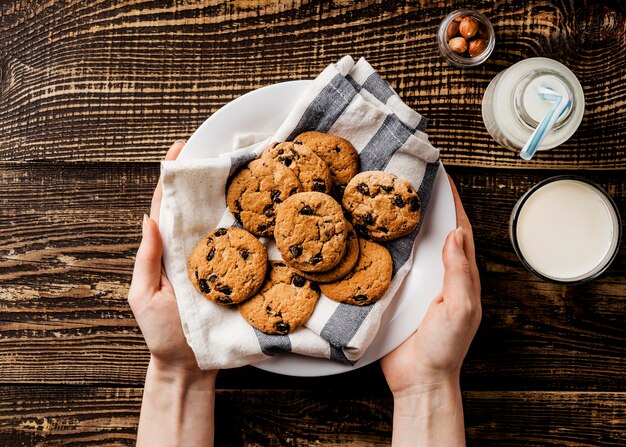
(512, 107)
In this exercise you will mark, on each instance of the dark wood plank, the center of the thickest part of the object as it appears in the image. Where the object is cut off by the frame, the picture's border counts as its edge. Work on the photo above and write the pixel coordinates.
(95, 416)
(68, 234)
(120, 80)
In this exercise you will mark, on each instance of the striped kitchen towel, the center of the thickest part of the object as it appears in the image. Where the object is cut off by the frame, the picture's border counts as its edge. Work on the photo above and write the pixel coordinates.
(346, 99)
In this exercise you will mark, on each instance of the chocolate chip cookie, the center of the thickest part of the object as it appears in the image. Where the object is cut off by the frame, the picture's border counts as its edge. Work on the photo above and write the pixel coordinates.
(256, 190)
(285, 301)
(310, 169)
(381, 206)
(310, 231)
(348, 260)
(228, 266)
(368, 281)
(339, 154)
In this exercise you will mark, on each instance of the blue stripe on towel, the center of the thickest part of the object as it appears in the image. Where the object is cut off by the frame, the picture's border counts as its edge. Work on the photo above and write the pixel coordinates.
(327, 106)
(272, 344)
(391, 135)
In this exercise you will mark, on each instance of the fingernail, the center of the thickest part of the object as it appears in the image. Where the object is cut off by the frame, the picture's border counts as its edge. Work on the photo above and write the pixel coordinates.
(143, 225)
(181, 141)
(458, 235)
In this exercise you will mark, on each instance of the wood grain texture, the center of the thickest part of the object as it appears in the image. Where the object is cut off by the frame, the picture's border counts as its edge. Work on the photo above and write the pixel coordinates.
(119, 80)
(100, 416)
(68, 235)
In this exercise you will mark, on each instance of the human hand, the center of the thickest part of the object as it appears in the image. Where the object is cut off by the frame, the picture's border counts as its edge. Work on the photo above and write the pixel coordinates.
(151, 296)
(433, 355)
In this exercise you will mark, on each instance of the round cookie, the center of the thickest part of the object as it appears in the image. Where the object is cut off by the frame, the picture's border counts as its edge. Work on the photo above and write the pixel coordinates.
(310, 231)
(381, 206)
(349, 259)
(285, 301)
(228, 266)
(310, 169)
(256, 190)
(368, 281)
(339, 154)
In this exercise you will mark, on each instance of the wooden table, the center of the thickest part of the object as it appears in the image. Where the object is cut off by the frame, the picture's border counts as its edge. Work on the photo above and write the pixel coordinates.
(93, 92)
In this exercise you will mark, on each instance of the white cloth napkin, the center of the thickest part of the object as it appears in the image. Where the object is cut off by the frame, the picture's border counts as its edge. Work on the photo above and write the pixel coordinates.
(346, 99)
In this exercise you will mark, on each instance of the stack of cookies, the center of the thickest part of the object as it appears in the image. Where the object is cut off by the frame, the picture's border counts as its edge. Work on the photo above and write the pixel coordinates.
(326, 219)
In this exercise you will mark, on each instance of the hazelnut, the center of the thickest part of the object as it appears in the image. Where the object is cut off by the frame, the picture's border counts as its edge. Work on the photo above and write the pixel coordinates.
(468, 27)
(458, 45)
(453, 30)
(477, 46)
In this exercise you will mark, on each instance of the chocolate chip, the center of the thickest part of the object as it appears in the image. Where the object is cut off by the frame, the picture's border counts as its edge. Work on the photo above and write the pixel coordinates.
(269, 210)
(220, 232)
(224, 300)
(410, 191)
(359, 298)
(298, 142)
(211, 254)
(245, 254)
(209, 241)
(295, 250)
(196, 275)
(275, 195)
(271, 222)
(261, 228)
(238, 205)
(282, 327)
(280, 264)
(268, 310)
(415, 203)
(204, 286)
(280, 151)
(278, 314)
(363, 189)
(383, 230)
(306, 210)
(286, 161)
(315, 287)
(212, 278)
(226, 290)
(316, 259)
(387, 188)
(293, 191)
(297, 280)
(399, 201)
(319, 185)
(368, 219)
(337, 149)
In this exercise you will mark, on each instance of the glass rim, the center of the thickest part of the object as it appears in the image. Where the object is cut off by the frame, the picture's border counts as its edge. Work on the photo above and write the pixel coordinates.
(520, 204)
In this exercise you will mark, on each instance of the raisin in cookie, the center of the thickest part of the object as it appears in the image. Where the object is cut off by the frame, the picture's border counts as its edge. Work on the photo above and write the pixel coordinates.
(348, 260)
(310, 231)
(339, 154)
(310, 169)
(368, 281)
(285, 301)
(256, 190)
(228, 265)
(381, 206)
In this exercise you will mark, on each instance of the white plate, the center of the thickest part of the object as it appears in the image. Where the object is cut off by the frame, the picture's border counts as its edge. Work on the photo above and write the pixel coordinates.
(263, 111)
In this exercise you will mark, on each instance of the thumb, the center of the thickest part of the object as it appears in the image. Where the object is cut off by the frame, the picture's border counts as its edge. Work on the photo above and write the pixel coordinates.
(147, 271)
(457, 276)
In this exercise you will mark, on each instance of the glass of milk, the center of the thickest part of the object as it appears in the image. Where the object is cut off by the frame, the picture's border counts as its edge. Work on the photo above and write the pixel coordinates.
(512, 108)
(566, 229)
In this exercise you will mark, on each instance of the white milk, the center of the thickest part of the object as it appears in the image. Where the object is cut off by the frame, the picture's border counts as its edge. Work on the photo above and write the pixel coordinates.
(567, 230)
(512, 107)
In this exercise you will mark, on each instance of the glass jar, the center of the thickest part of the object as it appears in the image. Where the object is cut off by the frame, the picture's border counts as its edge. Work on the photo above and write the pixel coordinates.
(485, 31)
(512, 108)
